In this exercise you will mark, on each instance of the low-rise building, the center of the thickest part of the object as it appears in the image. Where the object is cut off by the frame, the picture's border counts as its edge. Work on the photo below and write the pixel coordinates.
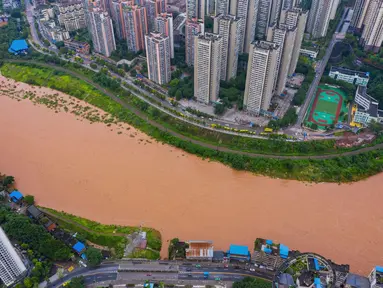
(376, 277)
(238, 253)
(79, 47)
(350, 76)
(366, 108)
(308, 52)
(200, 250)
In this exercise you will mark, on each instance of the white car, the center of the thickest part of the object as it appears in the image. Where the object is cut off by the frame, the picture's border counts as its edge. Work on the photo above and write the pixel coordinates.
(252, 269)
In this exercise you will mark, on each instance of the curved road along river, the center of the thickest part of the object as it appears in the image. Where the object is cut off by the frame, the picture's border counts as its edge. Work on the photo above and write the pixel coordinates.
(129, 179)
(207, 145)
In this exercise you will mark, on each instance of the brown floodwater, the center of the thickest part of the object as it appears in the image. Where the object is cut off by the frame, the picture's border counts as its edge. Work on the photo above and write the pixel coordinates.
(128, 179)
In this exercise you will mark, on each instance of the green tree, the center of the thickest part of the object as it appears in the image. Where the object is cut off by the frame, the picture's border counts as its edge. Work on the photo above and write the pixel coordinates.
(94, 256)
(59, 44)
(29, 199)
(8, 180)
(219, 109)
(178, 95)
(375, 127)
(250, 282)
(28, 282)
(77, 282)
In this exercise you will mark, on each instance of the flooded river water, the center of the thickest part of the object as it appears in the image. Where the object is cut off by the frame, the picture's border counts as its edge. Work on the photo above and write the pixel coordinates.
(129, 179)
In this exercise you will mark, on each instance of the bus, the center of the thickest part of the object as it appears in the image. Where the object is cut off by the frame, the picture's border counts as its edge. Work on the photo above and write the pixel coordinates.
(268, 130)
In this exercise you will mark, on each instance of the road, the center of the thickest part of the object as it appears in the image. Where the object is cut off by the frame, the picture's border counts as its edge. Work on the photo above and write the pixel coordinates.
(186, 273)
(318, 75)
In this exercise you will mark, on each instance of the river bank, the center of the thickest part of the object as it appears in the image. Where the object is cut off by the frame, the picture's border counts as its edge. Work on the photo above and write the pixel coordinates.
(129, 179)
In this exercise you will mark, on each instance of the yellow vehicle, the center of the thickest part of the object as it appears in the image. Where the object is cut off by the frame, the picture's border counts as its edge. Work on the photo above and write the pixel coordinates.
(268, 130)
(66, 283)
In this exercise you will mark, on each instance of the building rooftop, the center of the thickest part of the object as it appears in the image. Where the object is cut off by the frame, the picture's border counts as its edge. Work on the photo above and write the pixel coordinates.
(239, 250)
(79, 247)
(18, 46)
(35, 212)
(350, 72)
(267, 45)
(357, 281)
(16, 196)
(202, 249)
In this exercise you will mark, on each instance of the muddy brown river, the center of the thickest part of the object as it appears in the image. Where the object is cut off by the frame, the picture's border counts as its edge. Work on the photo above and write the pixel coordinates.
(129, 179)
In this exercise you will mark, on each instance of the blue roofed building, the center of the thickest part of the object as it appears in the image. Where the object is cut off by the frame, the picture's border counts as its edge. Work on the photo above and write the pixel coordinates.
(18, 47)
(79, 247)
(357, 281)
(376, 277)
(317, 283)
(238, 253)
(283, 251)
(16, 196)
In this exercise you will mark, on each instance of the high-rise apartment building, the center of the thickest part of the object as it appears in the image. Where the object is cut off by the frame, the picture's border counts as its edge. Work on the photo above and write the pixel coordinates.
(221, 7)
(161, 6)
(288, 4)
(164, 25)
(372, 35)
(261, 73)
(360, 9)
(251, 23)
(118, 19)
(195, 9)
(277, 35)
(334, 8)
(239, 8)
(136, 26)
(193, 27)
(295, 17)
(71, 15)
(151, 11)
(158, 57)
(229, 28)
(276, 6)
(319, 18)
(12, 267)
(207, 67)
(102, 32)
(263, 18)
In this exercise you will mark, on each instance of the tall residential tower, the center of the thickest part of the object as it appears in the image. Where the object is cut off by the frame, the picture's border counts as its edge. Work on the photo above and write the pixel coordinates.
(102, 32)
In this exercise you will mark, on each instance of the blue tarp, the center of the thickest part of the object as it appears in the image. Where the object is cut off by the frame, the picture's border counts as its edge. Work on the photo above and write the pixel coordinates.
(379, 269)
(83, 256)
(283, 251)
(78, 247)
(239, 250)
(267, 250)
(16, 196)
(317, 283)
(316, 264)
(269, 242)
(18, 46)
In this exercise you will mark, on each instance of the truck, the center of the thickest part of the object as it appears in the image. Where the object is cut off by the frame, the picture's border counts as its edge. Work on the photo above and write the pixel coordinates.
(205, 275)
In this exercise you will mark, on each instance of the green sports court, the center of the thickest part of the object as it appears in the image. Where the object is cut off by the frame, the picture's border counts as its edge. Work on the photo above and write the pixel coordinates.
(326, 107)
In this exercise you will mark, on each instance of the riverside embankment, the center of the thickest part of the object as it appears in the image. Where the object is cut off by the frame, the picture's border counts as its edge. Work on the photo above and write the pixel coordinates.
(93, 171)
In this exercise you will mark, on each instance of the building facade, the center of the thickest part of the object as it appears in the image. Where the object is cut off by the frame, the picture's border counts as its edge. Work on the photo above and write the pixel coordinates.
(319, 18)
(102, 32)
(263, 19)
(301, 26)
(228, 27)
(151, 11)
(193, 27)
(71, 16)
(207, 67)
(12, 267)
(195, 9)
(136, 26)
(200, 250)
(158, 57)
(372, 35)
(260, 79)
(164, 25)
(360, 8)
(240, 9)
(376, 277)
(118, 19)
(367, 108)
(221, 7)
(251, 22)
(350, 76)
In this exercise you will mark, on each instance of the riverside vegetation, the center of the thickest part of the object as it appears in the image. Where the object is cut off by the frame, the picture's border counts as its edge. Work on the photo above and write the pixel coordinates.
(338, 169)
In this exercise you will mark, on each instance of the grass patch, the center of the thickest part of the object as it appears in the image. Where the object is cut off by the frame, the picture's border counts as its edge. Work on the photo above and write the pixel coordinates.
(147, 254)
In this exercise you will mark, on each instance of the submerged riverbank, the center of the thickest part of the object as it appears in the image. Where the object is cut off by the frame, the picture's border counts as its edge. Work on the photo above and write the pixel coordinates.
(92, 171)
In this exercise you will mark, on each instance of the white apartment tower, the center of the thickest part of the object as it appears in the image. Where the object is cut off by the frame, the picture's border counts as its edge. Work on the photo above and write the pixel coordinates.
(157, 48)
(251, 23)
(193, 27)
(195, 9)
(240, 9)
(263, 18)
(288, 4)
(261, 73)
(221, 7)
(295, 17)
(319, 18)
(275, 11)
(372, 35)
(207, 67)
(228, 27)
(360, 9)
(12, 267)
(164, 25)
(102, 32)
